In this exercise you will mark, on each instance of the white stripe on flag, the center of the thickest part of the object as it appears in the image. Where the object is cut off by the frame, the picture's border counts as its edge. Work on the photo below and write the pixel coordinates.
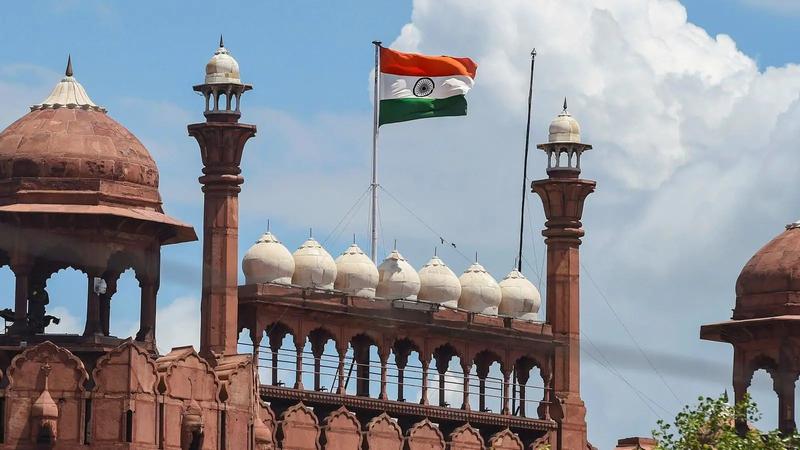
(401, 86)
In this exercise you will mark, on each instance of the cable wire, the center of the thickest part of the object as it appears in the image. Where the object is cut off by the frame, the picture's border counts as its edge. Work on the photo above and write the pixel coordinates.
(630, 335)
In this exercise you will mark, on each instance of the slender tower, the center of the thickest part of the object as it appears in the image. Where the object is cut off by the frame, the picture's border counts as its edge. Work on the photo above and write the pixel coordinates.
(563, 194)
(222, 139)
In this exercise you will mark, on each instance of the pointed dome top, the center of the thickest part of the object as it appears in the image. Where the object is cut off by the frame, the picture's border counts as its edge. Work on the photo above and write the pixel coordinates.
(268, 261)
(222, 68)
(397, 278)
(438, 283)
(564, 128)
(356, 274)
(45, 406)
(313, 266)
(479, 291)
(68, 93)
(521, 299)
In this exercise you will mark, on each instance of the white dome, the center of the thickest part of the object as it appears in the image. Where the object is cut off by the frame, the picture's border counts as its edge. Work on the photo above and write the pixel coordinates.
(222, 68)
(438, 283)
(268, 261)
(313, 266)
(521, 299)
(396, 278)
(479, 291)
(564, 128)
(356, 274)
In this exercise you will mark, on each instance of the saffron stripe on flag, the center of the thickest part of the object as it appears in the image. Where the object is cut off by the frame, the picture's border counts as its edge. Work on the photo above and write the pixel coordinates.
(403, 109)
(413, 64)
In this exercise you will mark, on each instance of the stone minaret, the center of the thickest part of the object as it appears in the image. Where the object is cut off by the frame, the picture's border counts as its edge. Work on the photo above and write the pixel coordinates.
(563, 194)
(222, 139)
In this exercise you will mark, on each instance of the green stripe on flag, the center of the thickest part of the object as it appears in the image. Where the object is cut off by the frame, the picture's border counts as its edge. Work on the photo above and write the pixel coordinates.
(403, 109)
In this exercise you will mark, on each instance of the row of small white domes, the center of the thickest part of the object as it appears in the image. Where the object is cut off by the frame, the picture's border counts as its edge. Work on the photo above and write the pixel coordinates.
(311, 266)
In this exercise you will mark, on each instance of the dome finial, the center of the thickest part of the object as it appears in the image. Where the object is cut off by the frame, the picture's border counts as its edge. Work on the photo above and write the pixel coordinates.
(68, 72)
(565, 104)
(221, 43)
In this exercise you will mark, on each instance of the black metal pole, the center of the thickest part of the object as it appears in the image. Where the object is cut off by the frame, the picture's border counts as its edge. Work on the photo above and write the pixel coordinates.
(525, 165)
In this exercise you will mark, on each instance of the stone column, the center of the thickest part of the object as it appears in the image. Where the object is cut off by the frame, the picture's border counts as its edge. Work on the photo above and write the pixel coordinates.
(442, 364)
(742, 378)
(111, 279)
(563, 196)
(425, 362)
(93, 325)
(466, 367)
(523, 375)
(342, 351)
(299, 346)
(221, 139)
(482, 372)
(21, 265)
(784, 387)
(506, 409)
(317, 349)
(147, 311)
(401, 361)
(383, 354)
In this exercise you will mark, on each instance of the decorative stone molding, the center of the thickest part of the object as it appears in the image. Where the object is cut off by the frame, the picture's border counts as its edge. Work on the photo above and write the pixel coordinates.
(384, 433)
(505, 440)
(342, 430)
(466, 437)
(425, 435)
(300, 429)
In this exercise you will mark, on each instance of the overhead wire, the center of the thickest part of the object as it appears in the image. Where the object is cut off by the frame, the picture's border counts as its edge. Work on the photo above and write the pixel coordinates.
(438, 235)
(630, 335)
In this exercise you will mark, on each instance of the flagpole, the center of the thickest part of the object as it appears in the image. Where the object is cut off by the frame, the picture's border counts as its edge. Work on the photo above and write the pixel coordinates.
(525, 165)
(374, 185)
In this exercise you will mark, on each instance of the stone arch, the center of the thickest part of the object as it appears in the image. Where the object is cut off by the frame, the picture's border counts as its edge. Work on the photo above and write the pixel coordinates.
(276, 333)
(466, 437)
(761, 361)
(425, 435)
(490, 385)
(187, 376)
(529, 386)
(505, 440)
(406, 354)
(384, 433)
(264, 427)
(190, 387)
(299, 429)
(235, 374)
(126, 369)
(342, 430)
(362, 344)
(124, 395)
(23, 372)
(318, 355)
(65, 377)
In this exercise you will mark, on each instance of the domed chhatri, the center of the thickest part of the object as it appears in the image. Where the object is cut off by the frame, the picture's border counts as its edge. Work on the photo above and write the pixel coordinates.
(356, 274)
(564, 128)
(769, 284)
(479, 291)
(68, 151)
(397, 279)
(222, 68)
(520, 298)
(313, 266)
(268, 261)
(439, 284)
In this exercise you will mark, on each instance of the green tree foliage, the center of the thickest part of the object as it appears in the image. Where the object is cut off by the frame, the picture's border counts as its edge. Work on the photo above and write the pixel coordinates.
(711, 425)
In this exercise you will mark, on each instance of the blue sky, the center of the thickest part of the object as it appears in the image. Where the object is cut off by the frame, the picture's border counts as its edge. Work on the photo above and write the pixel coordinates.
(310, 63)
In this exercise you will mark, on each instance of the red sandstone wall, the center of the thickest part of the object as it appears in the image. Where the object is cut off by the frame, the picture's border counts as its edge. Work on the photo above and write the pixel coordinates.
(132, 401)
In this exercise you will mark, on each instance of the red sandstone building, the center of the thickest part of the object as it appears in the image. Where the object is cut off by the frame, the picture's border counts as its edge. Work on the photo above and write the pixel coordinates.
(378, 357)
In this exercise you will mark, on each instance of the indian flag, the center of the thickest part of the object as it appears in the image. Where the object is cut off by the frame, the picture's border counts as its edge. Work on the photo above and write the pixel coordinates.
(416, 86)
